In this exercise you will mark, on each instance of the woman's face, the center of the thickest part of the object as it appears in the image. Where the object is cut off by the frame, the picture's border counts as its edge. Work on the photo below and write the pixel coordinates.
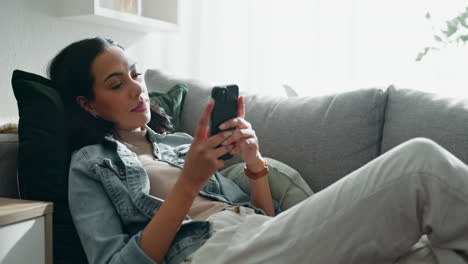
(120, 92)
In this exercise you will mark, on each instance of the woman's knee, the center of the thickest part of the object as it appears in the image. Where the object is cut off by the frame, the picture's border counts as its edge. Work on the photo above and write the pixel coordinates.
(423, 147)
(426, 155)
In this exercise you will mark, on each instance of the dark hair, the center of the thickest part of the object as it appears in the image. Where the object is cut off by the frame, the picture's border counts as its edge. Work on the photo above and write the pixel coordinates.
(70, 73)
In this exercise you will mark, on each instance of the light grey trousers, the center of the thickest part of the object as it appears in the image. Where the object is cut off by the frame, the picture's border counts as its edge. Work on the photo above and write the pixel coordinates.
(373, 215)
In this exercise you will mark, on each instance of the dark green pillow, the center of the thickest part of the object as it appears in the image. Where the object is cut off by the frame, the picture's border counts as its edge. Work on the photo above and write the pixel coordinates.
(43, 158)
(172, 101)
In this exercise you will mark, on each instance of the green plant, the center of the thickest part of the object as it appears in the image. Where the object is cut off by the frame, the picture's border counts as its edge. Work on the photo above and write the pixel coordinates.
(455, 32)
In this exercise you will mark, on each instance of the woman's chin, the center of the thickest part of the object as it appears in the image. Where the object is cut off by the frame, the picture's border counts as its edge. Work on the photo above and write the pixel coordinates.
(135, 122)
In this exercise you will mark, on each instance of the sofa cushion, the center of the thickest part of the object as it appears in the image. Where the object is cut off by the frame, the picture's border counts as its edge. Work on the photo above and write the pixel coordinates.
(412, 113)
(286, 184)
(323, 138)
(42, 138)
(172, 102)
(43, 158)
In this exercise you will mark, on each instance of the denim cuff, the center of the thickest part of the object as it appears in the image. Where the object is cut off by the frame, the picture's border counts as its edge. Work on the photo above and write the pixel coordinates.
(133, 253)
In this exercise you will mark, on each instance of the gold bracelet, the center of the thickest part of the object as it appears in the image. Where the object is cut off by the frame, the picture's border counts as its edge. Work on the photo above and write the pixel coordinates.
(258, 175)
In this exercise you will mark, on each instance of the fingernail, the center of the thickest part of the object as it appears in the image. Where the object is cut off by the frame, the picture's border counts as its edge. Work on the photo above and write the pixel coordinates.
(226, 142)
(222, 126)
(227, 134)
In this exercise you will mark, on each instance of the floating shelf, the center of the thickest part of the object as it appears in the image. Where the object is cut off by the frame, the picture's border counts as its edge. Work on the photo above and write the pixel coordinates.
(156, 15)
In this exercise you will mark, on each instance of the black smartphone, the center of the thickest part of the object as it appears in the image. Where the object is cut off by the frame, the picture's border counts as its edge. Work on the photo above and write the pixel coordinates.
(225, 108)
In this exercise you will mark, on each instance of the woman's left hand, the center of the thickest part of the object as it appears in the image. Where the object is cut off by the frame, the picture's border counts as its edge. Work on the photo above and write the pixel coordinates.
(245, 144)
(243, 139)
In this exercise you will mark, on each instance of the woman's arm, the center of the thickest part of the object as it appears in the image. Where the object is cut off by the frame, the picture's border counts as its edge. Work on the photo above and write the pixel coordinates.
(260, 190)
(201, 162)
(96, 219)
(160, 231)
(100, 229)
(245, 144)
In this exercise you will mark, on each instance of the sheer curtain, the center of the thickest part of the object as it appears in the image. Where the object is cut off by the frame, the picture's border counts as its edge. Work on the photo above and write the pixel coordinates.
(324, 46)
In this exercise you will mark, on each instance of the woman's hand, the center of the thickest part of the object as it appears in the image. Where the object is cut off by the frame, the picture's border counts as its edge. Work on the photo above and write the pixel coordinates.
(243, 139)
(245, 144)
(202, 158)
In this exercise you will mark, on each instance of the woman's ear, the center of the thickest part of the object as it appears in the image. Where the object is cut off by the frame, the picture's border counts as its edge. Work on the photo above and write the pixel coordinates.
(86, 105)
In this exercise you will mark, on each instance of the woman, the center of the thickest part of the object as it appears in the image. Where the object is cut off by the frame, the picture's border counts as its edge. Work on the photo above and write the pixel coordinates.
(121, 172)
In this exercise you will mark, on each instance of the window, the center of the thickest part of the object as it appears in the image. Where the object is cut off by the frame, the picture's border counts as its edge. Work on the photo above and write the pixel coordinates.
(322, 46)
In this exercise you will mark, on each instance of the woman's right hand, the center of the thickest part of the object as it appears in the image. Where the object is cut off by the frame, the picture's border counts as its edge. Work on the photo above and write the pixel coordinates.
(202, 158)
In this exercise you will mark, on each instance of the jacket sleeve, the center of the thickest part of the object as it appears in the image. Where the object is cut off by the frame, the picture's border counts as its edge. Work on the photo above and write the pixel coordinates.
(97, 221)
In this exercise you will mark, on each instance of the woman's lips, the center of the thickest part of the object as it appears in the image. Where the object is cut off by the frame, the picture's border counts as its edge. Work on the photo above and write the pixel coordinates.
(141, 107)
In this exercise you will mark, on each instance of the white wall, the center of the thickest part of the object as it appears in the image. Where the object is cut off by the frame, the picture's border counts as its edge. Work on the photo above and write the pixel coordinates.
(32, 33)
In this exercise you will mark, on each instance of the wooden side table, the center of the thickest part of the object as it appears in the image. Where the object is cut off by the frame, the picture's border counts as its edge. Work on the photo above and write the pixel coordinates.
(25, 231)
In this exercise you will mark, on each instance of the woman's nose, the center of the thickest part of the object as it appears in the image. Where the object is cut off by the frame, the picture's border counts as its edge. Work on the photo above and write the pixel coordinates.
(136, 88)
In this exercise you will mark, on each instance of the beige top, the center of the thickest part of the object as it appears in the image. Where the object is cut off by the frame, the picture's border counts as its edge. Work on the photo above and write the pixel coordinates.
(163, 175)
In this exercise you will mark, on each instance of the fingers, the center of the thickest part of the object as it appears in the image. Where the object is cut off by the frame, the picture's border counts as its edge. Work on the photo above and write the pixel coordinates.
(245, 144)
(201, 133)
(213, 154)
(234, 123)
(239, 134)
(222, 150)
(240, 107)
(217, 139)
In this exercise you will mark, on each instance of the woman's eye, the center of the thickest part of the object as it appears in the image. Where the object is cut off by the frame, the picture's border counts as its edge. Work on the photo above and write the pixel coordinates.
(117, 86)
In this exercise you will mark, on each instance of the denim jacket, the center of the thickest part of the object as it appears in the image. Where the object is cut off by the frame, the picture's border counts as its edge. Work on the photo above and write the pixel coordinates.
(110, 202)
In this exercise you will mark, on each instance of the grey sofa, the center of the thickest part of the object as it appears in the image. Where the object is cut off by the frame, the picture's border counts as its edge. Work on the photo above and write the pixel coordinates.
(8, 153)
(323, 138)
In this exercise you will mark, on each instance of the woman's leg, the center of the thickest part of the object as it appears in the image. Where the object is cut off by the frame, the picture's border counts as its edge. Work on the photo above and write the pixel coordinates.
(420, 253)
(373, 215)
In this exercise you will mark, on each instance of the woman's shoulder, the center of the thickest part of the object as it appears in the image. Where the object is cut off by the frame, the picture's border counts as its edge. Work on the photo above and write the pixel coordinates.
(91, 154)
(89, 150)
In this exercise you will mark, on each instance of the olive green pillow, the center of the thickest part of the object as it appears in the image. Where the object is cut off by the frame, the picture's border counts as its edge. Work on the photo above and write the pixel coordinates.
(172, 101)
(286, 184)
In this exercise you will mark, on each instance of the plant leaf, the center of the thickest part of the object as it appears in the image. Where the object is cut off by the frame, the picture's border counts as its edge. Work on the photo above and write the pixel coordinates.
(428, 15)
(437, 38)
(451, 28)
(422, 54)
(463, 38)
(462, 19)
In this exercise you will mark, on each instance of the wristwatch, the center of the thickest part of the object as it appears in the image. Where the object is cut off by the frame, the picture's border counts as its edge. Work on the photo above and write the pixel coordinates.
(258, 175)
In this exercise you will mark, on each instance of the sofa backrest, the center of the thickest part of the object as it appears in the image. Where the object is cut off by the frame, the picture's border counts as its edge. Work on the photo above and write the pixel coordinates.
(412, 113)
(323, 138)
(8, 176)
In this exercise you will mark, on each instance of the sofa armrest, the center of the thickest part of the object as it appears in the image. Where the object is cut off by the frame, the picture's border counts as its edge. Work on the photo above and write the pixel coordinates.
(8, 171)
